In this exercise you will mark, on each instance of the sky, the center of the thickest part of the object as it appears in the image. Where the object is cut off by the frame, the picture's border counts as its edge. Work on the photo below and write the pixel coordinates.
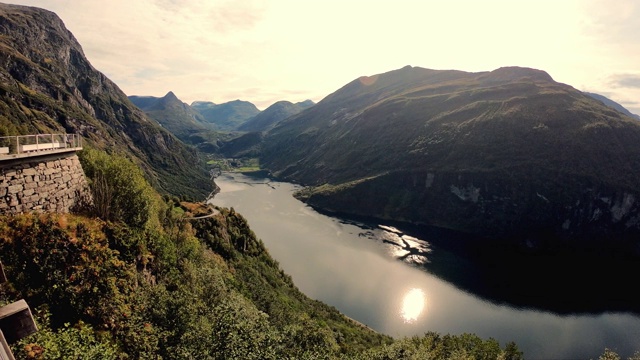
(265, 51)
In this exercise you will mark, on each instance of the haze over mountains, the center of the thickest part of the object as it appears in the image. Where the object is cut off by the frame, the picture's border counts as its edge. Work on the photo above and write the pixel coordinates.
(237, 115)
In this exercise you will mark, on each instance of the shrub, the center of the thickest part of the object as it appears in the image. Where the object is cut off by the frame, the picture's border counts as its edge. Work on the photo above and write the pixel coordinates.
(120, 191)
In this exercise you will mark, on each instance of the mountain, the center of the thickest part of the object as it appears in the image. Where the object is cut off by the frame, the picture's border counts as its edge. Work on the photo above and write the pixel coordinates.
(267, 118)
(508, 154)
(48, 85)
(244, 145)
(171, 113)
(202, 105)
(227, 116)
(613, 104)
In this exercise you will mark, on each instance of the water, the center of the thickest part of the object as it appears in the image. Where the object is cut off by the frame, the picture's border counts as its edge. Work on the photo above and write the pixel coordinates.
(406, 284)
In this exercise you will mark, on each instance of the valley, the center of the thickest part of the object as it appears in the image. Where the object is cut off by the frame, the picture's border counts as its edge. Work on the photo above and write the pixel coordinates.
(367, 269)
(454, 214)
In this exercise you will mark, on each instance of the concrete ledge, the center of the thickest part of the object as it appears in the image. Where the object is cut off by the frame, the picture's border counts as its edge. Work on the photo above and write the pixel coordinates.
(5, 157)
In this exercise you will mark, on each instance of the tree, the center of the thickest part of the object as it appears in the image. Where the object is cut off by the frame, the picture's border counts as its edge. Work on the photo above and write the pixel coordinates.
(118, 187)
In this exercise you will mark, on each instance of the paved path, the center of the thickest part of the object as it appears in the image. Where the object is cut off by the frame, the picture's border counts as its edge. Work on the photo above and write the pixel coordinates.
(214, 212)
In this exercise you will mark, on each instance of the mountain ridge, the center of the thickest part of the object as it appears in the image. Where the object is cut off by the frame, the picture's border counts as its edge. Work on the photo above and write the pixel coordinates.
(483, 145)
(227, 116)
(613, 104)
(172, 114)
(273, 114)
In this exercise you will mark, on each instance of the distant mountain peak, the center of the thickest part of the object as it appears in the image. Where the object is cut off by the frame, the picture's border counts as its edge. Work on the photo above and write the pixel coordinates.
(171, 95)
(307, 103)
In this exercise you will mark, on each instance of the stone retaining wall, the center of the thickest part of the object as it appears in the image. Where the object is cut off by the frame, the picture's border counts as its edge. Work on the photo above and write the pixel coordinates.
(53, 183)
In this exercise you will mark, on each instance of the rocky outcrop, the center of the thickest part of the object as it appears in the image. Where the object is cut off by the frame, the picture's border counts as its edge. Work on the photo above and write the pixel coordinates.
(580, 214)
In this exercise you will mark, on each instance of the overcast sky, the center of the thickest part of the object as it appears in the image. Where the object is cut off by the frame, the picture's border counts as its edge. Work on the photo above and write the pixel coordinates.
(268, 50)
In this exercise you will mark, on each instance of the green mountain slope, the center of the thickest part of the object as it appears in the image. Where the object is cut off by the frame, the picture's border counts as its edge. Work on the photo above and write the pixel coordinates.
(177, 285)
(226, 116)
(275, 113)
(613, 104)
(504, 154)
(182, 120)
(48, 85)
(171, 113)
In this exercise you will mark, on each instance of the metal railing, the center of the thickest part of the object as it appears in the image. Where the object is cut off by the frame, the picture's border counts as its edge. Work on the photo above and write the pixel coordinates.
(26, 144)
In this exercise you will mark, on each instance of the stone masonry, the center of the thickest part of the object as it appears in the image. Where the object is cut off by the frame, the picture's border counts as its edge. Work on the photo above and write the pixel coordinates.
(53, 183)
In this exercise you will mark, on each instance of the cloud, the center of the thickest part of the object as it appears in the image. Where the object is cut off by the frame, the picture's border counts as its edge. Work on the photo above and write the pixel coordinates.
(625, 81)
(269, 50)
(616, 22)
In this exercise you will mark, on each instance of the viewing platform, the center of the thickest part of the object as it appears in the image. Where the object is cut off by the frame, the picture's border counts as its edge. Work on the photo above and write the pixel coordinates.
(24, 146)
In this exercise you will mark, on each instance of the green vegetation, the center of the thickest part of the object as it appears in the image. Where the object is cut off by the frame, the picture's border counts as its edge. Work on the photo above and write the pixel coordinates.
(143, 282)
(247, 165)
(242, 165)
(609, 354)
(118, 188)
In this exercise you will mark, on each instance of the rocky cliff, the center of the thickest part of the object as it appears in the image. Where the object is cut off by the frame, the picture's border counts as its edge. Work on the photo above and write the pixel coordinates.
(48, 85)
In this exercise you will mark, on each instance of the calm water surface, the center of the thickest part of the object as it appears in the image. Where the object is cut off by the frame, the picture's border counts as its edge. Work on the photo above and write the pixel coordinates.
(381, 277)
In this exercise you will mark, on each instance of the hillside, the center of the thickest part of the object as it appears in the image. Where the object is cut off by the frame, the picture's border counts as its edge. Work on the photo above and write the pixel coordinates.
(48, 85)
(149, 278)
(226, 116)
(508, 154)
(275, 113)
(605, 100)
(171, 113)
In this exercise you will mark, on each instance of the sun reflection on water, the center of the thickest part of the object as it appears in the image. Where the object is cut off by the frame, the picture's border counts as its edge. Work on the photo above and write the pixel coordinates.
(412, 305)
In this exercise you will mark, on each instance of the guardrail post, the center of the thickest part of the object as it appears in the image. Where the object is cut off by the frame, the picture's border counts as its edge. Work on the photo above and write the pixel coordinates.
(5, 351)
(16, 321)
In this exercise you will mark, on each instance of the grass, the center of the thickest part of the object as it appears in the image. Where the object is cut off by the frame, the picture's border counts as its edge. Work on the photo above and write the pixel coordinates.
(237, 165)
